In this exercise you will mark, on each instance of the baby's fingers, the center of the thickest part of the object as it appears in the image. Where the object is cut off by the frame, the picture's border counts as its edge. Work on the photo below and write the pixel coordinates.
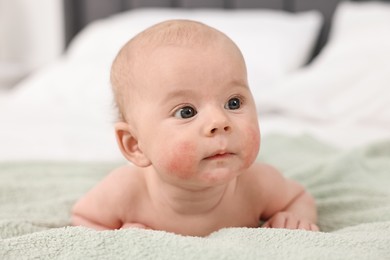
(314, 227)
(134, 225)
(307, 226)
(304, 225)
(276, 222)
(291, 223)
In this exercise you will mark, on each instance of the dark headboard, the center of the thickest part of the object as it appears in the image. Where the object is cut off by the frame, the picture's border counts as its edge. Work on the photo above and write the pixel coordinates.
(79, 13)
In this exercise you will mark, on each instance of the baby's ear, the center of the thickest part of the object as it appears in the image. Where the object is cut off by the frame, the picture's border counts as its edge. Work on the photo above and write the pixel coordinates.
(128, 145)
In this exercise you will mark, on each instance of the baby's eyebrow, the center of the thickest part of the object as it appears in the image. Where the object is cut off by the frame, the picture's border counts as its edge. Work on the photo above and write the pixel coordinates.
(239, 83)
(179, 93)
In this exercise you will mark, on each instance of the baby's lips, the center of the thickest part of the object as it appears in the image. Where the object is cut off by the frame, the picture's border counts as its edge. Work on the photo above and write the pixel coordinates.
(219, 155)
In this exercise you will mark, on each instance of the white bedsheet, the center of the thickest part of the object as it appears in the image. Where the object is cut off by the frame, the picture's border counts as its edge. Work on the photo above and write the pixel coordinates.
(63, 112)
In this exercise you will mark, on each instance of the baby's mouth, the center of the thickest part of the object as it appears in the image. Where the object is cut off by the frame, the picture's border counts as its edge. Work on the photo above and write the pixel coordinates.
(219, 155)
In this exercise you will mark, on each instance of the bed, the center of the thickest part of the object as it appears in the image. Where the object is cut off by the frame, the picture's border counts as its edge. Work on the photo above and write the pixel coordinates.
(319, 72)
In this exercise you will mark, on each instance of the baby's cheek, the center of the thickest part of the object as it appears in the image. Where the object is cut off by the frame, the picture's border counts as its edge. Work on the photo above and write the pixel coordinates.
(181, 160)
(252, 143)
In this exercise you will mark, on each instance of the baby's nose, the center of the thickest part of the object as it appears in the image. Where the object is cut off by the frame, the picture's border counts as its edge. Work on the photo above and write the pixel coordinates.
(218, 124)
(224, 129)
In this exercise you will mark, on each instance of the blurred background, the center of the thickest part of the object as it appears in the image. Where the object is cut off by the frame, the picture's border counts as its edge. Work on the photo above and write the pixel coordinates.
(32, 34)
(315, 67)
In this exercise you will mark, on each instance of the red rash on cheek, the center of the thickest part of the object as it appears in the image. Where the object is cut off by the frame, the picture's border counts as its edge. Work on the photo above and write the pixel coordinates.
(253, 143)
(181, 160)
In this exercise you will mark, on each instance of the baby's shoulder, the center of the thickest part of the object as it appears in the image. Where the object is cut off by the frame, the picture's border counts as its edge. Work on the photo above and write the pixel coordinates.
(262, 169)
(126, 174)
(259, 180)
(124, 179)
(261, 173)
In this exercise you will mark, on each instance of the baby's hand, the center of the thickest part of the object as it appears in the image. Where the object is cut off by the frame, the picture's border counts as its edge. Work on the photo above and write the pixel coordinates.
(134, 225)
(290, 221)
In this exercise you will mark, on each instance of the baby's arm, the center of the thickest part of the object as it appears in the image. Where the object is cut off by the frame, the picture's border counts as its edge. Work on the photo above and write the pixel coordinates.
(80, 220)
(289, 204)
(93, 210)
(101, 208)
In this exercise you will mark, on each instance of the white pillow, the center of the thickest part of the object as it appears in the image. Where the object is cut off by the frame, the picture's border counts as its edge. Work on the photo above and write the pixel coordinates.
(342, 97)
(349, 81)
(360, 30)
(273, 42)
(351, 19)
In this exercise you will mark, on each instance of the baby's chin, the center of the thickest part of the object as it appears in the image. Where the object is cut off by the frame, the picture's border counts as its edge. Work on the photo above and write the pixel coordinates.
(208, 175)
(218, 176)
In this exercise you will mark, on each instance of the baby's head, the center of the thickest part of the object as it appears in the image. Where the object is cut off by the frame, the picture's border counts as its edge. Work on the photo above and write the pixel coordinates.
(185, 106)
(130, 68)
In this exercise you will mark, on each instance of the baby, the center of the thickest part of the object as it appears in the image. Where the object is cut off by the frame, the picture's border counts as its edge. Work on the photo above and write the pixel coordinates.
(188, 124)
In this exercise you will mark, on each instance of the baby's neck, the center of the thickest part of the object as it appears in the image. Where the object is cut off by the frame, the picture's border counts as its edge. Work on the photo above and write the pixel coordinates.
(188, 200)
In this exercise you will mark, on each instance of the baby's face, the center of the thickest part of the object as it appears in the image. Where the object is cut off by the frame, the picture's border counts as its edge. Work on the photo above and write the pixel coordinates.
(197, 120)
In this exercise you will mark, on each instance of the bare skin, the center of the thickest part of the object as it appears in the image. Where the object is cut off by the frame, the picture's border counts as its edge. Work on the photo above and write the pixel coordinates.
(140, 202)
(190, 130)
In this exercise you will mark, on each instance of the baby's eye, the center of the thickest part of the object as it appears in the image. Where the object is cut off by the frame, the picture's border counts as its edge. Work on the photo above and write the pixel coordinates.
(185, 112)
(233, 103)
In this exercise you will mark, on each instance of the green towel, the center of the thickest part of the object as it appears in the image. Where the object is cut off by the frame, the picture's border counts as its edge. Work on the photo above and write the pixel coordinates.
(352, 190)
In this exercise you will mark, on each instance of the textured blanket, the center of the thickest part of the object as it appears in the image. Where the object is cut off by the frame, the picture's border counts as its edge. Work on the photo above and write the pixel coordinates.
(352, 190)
